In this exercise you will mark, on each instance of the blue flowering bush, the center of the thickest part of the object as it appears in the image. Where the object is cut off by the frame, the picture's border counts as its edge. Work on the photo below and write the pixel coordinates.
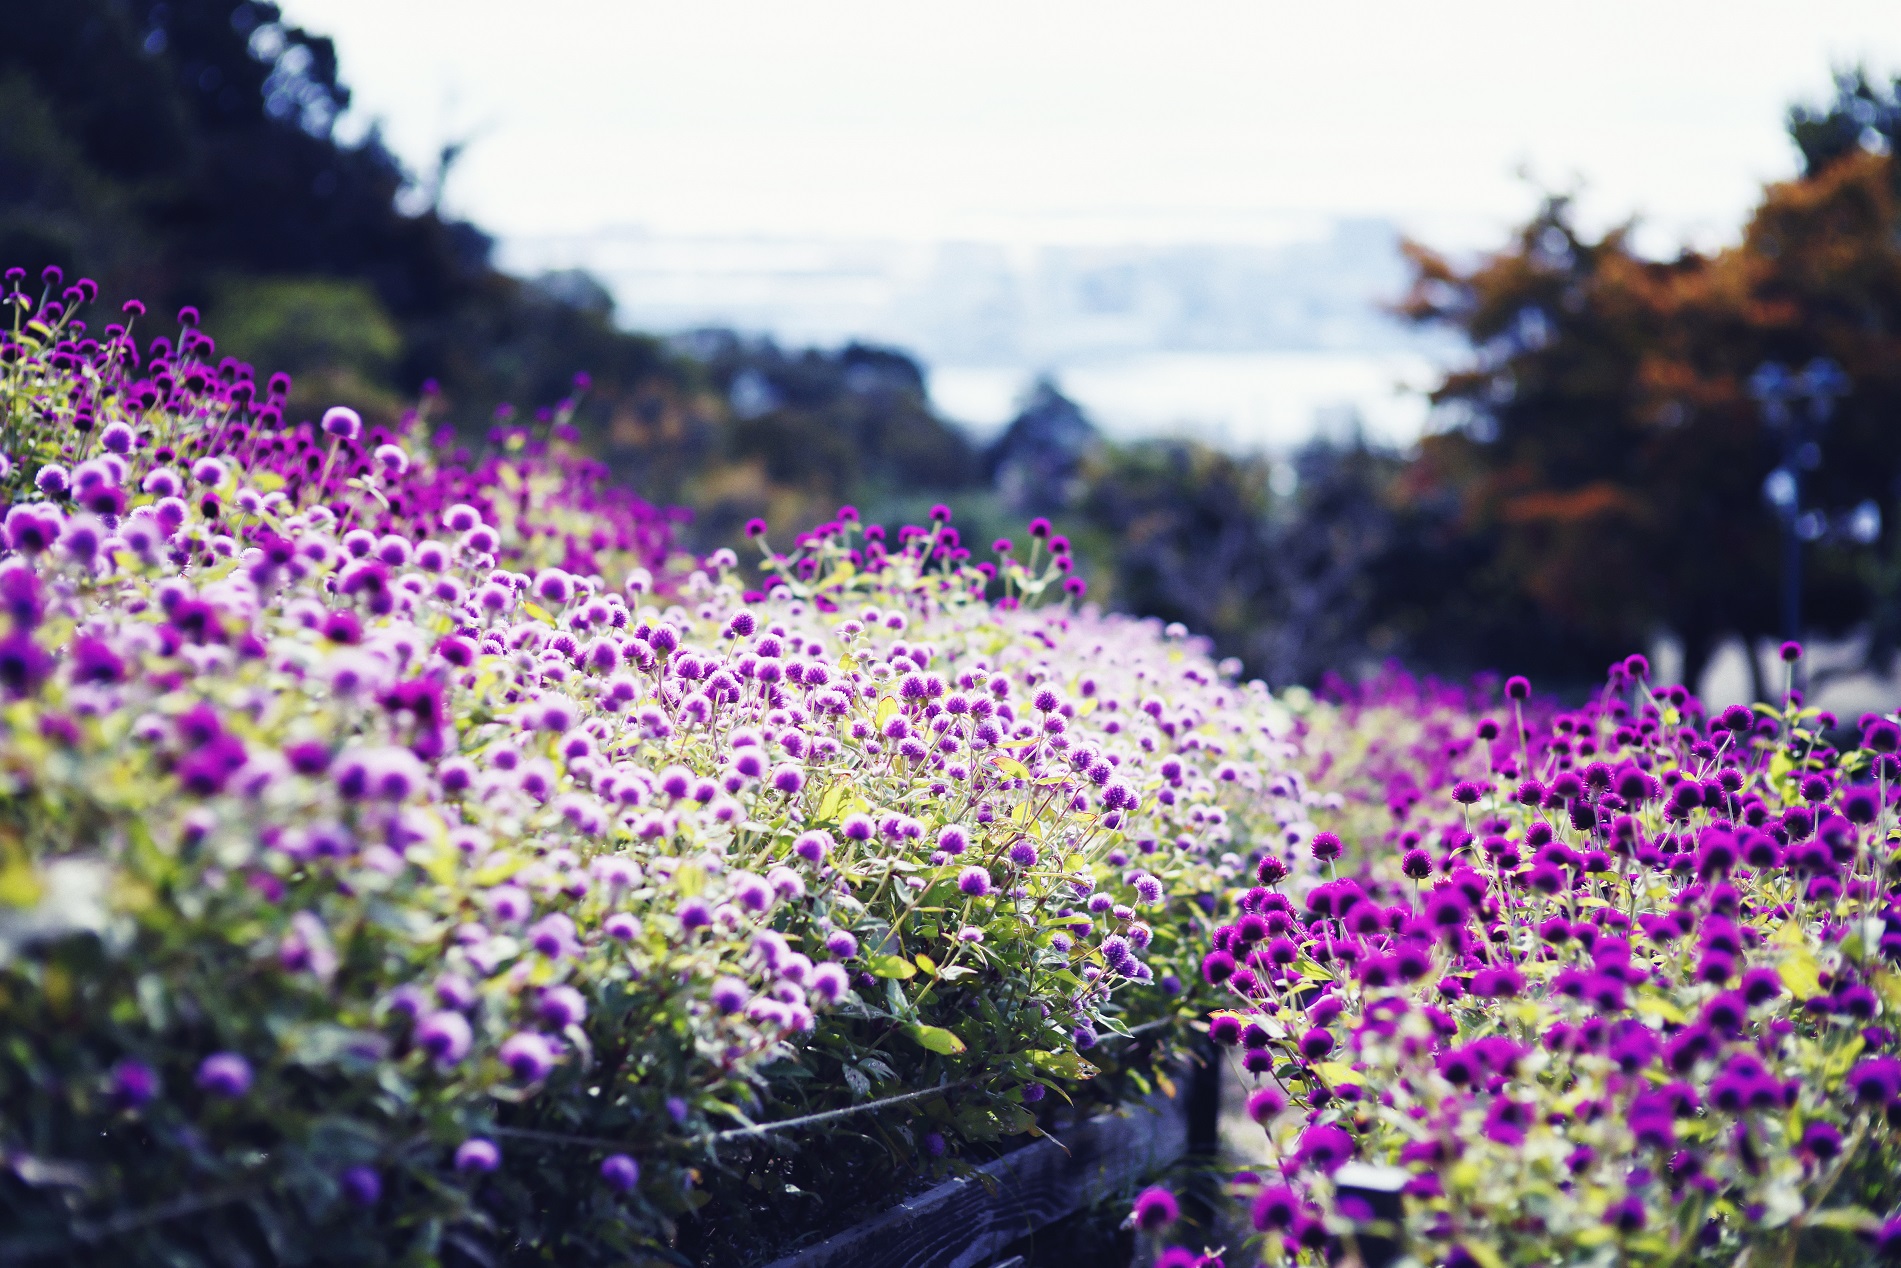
(403, 857)
(1611, 985)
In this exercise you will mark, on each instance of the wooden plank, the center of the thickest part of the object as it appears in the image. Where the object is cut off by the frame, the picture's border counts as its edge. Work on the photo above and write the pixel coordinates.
(966, 1223)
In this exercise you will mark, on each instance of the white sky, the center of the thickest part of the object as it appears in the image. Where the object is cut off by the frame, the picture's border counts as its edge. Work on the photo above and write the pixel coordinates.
(1047, 120)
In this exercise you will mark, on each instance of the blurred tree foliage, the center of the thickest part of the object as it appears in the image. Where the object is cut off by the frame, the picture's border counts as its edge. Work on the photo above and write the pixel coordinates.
(1599, 480)
(1604, 481)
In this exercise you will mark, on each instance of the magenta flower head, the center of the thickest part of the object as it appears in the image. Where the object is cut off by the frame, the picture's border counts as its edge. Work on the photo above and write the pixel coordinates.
(1275, 1208)
(1265, 1104)
(788, 778)
(1875, 1080)
(829, 983)
(134, 1084)
(1518, 687)
(361, 1185)
(755, 527)
(342, 423)
(1881, 736)
(974, 881)
(1626, 1215)
(528, 1056)
(620, 1172)
(729, 995)
(841, 944)
(1790, 652)
(1325, 1147)
(1155, 1209)
(477, 1153)
(445, 1036)
(1270, 870)
(1325, 847)
(225, 1074)
(813, 846)
(561, 1006)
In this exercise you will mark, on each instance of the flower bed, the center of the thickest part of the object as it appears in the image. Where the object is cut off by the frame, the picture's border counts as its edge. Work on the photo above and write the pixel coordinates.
(371, 863)
(1614, 988)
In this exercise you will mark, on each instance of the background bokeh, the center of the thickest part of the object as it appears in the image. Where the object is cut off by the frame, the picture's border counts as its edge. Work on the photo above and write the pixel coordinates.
(1580, 466)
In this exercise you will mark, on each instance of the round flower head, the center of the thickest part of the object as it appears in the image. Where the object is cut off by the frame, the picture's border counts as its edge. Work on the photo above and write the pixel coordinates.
(477, 1154)
(133, 1084)
(813, 846)
(729, 995)
(445, 1037)
(620, 1172)
(974, 882)
(529, 1056)
(828, 983)
(225, 1074)
(561, 1006)
(1155, 1209)
(342, 423)
(361, 1185)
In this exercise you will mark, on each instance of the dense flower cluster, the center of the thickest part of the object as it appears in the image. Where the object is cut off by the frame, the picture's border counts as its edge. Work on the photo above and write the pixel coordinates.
(1615, 987)
(365, 847)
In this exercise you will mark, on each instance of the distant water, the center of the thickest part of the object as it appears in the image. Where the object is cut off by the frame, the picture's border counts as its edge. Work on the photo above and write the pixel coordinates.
(1270, 401)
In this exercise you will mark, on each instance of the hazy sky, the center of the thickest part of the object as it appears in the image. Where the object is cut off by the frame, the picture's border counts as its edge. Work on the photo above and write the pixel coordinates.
(1038, 120)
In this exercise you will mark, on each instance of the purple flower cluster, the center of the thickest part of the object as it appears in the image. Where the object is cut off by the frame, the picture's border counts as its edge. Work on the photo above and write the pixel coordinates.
(1593, 973)
(404, 768)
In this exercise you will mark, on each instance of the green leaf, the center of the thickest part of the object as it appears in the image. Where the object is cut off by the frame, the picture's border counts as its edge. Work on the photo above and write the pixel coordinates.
(1801, 975)
(828, 804)
(1487, 1257)
(893, 966)
(1854, 1219)
(937, 1039)
(1069, 1065)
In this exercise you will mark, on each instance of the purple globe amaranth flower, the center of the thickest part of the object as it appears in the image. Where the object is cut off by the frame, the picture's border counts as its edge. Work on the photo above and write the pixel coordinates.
(1875, 1080)
(1626, 1215)
(561, 1006)
(1155, 1209)
(528, 1055)
(477, 1154)
(828, 983)
(445, 1037)
(361, 1185)
(729, 995)
(225, 1074)
(133, 1084)
(1325, 1147)
(1265, 1104)
(1275, 1207)
(342, 423)
(620, 1172)
(974, 882)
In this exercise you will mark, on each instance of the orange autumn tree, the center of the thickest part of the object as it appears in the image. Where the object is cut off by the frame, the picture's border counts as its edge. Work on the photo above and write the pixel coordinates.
(1604, 477)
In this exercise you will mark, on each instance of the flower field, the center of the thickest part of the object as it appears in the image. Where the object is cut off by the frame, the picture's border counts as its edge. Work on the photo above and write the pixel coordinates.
(407, 855)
